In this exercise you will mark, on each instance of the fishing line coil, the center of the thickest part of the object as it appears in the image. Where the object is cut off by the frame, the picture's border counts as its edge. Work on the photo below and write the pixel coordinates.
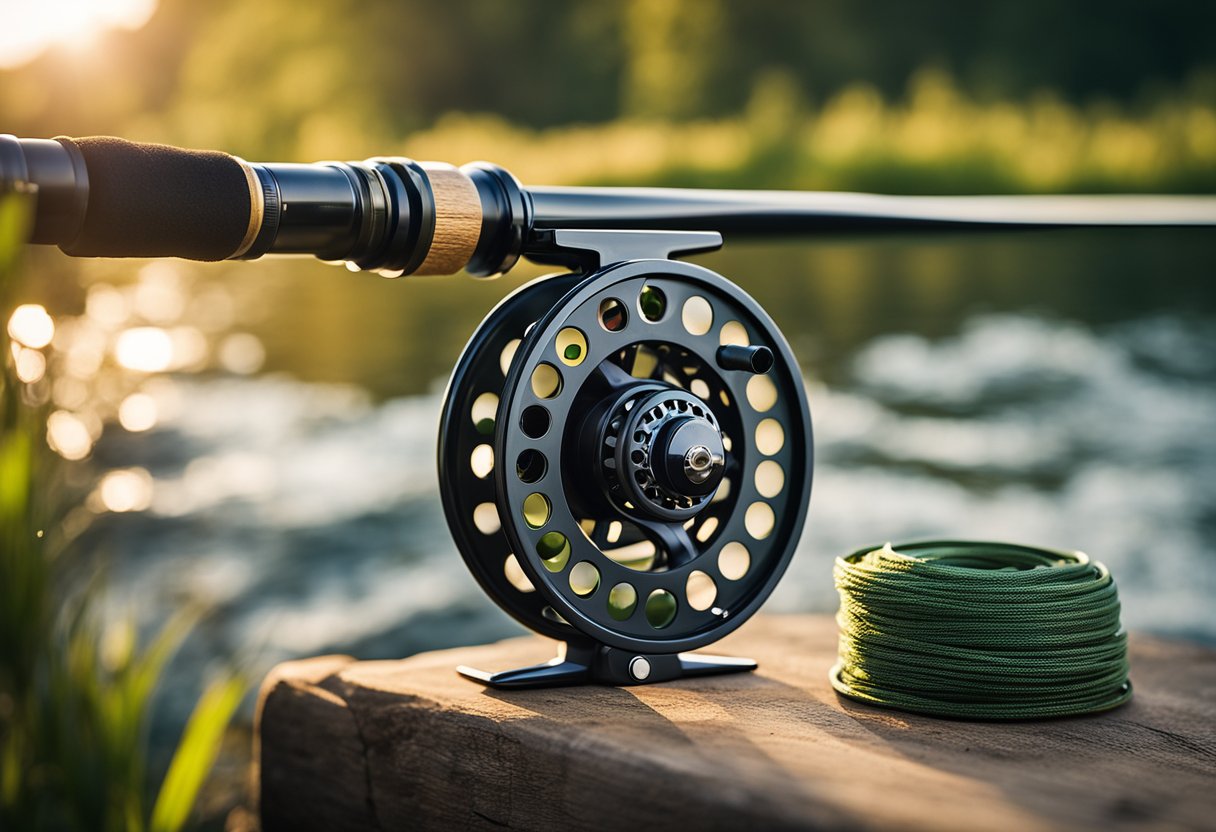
(975, 630)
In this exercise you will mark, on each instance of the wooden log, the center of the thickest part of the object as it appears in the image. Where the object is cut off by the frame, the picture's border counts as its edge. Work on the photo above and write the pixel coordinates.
(410, 745)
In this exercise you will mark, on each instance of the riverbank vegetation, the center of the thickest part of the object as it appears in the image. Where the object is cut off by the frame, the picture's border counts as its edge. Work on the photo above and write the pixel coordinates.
(76, 686)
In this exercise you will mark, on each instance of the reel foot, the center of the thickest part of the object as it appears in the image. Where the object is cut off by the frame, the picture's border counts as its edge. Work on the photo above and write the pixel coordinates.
(599, 664)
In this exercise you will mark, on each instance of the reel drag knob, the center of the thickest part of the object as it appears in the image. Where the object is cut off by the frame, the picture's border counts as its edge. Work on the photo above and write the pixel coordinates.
(670, 456)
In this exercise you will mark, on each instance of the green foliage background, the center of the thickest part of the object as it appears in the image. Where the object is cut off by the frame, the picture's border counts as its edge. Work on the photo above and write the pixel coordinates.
(941, 95)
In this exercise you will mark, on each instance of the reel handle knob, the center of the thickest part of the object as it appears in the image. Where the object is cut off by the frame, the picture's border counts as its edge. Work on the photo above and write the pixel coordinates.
(756, 360)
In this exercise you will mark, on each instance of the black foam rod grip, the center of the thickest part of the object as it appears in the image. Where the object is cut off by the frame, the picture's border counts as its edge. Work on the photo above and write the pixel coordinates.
(152, 200)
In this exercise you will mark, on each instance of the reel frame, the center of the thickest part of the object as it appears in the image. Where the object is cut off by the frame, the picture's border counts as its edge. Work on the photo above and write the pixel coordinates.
(571, 594)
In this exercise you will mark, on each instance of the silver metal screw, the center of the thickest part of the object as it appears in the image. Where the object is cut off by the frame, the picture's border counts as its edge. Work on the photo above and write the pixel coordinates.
(698, 463)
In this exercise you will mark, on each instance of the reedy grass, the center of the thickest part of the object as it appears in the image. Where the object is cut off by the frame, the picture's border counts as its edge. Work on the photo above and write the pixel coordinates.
(76, 691)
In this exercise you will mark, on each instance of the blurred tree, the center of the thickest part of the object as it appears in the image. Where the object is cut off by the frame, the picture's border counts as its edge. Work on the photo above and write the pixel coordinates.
(674, 48)
(280, 78)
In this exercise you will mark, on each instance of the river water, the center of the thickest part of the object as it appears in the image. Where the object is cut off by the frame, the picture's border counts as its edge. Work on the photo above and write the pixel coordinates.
(1051, 388)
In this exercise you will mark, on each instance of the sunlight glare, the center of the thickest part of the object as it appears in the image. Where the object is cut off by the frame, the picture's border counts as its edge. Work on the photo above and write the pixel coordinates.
(106, 305)
(38, 25)
(145, 348)
(68, 435)
(137, 412)
(158, 296)
(126, 490)
(242, 353)
(31, 366)
(31, 325)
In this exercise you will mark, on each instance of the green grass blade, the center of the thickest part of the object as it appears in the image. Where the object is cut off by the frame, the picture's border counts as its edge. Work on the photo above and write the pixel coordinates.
(196, 753)
(14, 228)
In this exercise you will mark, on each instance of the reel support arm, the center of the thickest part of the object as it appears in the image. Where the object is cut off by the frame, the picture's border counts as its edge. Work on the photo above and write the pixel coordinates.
(108, 197)
(589, 249)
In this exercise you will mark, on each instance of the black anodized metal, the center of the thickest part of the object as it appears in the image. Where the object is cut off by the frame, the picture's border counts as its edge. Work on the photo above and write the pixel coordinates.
(479, 371)
(769, 554)
(777, 213)
(320, 210)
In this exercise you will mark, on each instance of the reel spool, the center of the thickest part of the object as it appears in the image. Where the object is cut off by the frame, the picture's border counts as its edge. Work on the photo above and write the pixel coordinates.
(625, 465)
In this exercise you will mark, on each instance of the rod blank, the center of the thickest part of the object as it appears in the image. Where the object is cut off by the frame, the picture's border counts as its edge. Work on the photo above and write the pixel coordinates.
(792, 212)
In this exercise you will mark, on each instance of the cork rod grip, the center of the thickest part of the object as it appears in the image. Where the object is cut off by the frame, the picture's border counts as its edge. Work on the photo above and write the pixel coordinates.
(457, 220)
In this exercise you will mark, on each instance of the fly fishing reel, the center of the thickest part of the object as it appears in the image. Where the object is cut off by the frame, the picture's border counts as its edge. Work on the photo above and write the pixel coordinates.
(625, 462)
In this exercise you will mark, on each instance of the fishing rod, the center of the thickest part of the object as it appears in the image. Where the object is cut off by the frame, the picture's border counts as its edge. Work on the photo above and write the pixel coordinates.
(109, 197)
(625, 450)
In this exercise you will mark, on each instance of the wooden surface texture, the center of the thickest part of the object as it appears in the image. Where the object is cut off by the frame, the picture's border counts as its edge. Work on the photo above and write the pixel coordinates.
(410, 745)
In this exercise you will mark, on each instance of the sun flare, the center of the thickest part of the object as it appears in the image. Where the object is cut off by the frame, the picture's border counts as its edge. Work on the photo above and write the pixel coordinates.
(33, 26)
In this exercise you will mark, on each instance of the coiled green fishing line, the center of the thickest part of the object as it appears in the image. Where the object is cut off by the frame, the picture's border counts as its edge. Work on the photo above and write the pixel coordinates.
(979, 631)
